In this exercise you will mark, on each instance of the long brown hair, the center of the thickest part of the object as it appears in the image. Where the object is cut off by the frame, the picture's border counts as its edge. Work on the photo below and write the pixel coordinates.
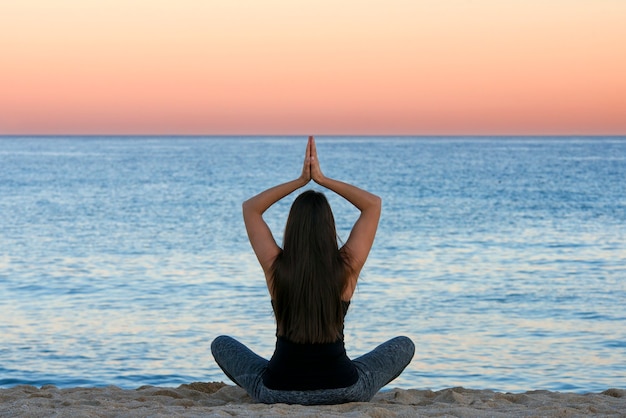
(309, 274)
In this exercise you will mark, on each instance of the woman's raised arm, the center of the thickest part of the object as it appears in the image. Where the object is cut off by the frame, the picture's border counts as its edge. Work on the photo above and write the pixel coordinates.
(259, 233)
(361, 239)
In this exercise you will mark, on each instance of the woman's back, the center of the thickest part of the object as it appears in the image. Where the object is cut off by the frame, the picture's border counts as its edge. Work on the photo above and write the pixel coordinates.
(307, 366)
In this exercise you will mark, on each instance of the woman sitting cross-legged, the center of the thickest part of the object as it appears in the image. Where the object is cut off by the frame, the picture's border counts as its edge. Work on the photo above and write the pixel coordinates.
(311, 281)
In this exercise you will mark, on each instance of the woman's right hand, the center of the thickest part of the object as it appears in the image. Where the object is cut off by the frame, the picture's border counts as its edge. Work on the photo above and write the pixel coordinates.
(305, 177)
(316, 171)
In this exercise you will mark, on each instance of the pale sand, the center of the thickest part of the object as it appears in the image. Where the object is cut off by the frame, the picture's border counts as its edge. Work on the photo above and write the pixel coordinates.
(219, 400)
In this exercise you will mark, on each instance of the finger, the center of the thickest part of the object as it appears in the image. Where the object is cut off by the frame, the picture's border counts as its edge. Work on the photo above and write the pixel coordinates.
(313, 149)
(307, 152)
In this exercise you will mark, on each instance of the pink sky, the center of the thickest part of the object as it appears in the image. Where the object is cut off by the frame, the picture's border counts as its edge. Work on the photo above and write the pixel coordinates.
(413, 67)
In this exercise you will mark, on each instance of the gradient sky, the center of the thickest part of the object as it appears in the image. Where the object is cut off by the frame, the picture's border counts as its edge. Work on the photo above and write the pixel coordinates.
(416, 67)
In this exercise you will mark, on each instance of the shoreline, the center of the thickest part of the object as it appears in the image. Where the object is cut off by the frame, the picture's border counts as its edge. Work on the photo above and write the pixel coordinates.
(219, 399)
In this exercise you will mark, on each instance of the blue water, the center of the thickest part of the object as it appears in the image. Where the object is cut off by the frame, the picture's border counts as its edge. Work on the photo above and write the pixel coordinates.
(503, 258)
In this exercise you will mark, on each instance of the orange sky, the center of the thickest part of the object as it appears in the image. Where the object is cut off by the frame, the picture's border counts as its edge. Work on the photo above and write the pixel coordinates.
(415, 67)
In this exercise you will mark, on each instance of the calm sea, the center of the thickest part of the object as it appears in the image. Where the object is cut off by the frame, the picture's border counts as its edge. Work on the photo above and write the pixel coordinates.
(504, 259)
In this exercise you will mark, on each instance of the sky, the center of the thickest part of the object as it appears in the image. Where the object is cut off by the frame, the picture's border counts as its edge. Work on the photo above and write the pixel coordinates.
(323, 67)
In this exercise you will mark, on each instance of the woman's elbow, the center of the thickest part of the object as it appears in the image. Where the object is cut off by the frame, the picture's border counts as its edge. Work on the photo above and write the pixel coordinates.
(373, 206)
(377, 202)
(248, 208)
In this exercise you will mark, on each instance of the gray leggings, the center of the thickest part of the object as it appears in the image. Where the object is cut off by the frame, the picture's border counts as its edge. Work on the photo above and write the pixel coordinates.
(376, 368)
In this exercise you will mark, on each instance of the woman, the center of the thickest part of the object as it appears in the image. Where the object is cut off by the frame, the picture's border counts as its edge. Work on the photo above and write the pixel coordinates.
(311, 281)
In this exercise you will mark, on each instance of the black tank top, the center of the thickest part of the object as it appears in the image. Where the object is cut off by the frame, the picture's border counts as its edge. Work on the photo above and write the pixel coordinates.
(310, 366)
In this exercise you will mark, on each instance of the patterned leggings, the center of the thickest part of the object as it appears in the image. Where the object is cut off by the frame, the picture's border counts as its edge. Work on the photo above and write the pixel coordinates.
(376, 368)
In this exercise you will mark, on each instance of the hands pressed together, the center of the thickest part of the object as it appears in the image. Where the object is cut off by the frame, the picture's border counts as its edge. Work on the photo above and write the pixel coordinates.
(311, 169)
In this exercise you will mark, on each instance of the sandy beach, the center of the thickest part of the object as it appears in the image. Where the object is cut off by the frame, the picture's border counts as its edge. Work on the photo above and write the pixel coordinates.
(216, 399)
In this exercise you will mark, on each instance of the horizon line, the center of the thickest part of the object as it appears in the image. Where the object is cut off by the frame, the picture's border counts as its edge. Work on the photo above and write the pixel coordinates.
(174, 135)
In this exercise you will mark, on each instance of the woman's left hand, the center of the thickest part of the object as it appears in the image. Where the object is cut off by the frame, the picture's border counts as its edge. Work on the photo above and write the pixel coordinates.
(306, 167)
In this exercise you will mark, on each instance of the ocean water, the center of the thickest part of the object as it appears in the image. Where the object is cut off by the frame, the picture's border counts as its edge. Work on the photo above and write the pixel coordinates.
(504, 259)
